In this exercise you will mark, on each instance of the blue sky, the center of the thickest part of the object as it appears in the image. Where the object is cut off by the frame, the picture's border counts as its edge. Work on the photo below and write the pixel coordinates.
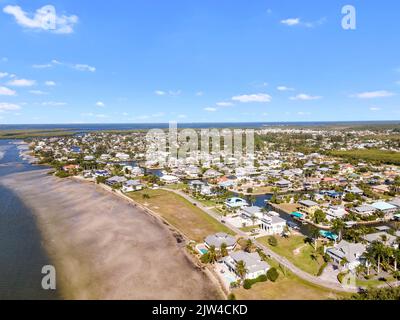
(134, 61)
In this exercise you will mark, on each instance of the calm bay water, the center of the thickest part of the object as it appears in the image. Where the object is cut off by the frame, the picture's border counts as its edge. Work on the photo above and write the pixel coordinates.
(22, 255)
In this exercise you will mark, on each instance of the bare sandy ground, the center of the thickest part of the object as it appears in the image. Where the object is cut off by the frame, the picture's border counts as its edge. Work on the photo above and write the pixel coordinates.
(103, 247)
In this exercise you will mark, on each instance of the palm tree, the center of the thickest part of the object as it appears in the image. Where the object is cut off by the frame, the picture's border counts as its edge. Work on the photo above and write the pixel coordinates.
(314, 234)
(338, 226)
(369, 259)
(212, 254)
(379, 250)
(241, 270)
(249, 246)
(224, 250)
(396, 258)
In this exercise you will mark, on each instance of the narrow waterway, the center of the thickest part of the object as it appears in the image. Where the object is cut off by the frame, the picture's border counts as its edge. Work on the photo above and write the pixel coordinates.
(22, 255)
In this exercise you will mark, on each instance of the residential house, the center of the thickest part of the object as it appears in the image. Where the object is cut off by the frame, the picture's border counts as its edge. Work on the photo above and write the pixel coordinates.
(273, 224)
(115, 180)
(308, 206)
(388, 209)
(346, 254)
(335, 212)
(218, 239)
(383, 237)
(236, 202)
(169, 179)
(255, 266)
(365, 210)
(132, 185)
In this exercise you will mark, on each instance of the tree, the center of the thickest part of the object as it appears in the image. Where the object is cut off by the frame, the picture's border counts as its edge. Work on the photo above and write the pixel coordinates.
(272, 241)
(379, 251)
(224, 250)
(338, 226)
(249, 246)
(212, 254)
(319, 216)
(272, 274)
(241, 270)
(314, 234)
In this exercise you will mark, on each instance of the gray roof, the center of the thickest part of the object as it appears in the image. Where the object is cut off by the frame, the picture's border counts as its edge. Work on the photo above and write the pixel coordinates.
(395, 202)
(364, 208)
(308, 203)
(116, 179)
(252, 261)
(218, 239)
(350, 251)
(132, 183)
(252, 210)
(378, 237)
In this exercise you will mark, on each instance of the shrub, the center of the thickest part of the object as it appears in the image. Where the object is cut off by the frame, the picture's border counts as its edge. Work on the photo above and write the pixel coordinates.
(62, 174)
(273, 274)
(272, 241)
(231, 297)
(321, 269)
(249, 282)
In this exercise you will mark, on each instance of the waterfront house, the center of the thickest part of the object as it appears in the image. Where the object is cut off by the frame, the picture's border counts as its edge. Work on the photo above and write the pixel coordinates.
(308, 206)
(335, 212)
(350, 253)
(132, 185)
(251, 213)
(364, 210)
(283, 184)
(254, 264)
(273, 224)
(236, 202)
(115, 181)
(169, 179)
(218, 239)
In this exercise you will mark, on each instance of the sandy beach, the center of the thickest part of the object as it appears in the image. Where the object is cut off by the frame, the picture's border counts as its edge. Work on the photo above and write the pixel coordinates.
(105, 248)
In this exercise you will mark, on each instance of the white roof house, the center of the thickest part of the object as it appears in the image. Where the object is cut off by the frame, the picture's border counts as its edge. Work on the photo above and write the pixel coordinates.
(254, 264)
(218, 239)
(169, 179)
(350, 252)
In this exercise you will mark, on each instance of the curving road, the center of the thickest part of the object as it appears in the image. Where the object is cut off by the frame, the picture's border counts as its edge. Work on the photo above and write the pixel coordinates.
(283, 261)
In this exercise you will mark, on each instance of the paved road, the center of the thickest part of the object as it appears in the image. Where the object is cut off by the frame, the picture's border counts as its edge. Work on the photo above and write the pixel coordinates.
(283, 261)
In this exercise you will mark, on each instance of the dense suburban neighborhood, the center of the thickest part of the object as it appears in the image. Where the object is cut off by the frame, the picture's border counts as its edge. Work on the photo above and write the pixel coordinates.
(321, 203)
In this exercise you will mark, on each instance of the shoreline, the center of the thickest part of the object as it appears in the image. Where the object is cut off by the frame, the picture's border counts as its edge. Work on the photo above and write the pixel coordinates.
(97, 251)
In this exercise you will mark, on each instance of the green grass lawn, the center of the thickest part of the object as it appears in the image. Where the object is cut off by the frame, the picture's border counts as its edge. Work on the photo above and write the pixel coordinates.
(287, 287)
(302, 259)
(192, 221)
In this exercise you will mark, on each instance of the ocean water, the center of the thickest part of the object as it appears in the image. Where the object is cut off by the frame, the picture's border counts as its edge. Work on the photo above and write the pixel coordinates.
(22, 255)
(144, 126)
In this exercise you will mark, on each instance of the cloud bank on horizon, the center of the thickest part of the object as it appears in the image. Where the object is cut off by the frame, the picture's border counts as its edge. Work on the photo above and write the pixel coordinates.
(197, 62)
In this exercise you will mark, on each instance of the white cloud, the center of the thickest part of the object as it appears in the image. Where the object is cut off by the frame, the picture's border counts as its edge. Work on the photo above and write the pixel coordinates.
(284, 88)
(169, 93)
(259, 97)
(4, 59)
(100, 104)
(4, 106)
(22, 83)
(84, 67)
(40, 19)
(3, 74)
(209, 109)
(373, 94)
(302, 113)
(53, 104)
(375, 109)
(50, 83)
(6, 92)
(398, 82)
(182, 116)
(199, 93)
(224, 104)
(305, 97)
(101, 116)
(291, 21)
(38, 92)
(42, 66)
